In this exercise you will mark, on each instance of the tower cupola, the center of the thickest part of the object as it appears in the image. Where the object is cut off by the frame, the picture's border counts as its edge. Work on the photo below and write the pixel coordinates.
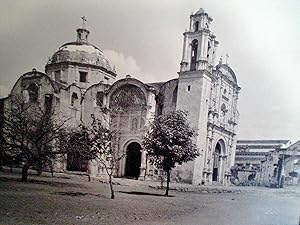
(200, 44)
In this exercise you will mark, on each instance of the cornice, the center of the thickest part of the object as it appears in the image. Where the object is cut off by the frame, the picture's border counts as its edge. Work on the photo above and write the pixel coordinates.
(220, 128)
(197, 73)
(241, 146)
(48, 66)
(203, 30)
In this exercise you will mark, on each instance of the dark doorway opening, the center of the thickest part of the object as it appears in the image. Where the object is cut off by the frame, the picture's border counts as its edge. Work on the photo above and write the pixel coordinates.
(133, 160)
(76, 163)
(216, 164)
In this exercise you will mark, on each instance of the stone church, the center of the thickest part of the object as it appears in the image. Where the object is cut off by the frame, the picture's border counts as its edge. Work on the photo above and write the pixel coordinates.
(79, 81)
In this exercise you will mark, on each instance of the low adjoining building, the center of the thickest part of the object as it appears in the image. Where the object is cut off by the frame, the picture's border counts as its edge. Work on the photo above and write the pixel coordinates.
(267, 162)
(250, 153)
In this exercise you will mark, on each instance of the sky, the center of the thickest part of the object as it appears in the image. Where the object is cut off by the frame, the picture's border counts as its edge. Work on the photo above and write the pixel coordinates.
(144, 38)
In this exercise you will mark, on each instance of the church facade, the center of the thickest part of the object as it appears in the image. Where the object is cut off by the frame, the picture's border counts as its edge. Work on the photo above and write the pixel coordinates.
(79, 82)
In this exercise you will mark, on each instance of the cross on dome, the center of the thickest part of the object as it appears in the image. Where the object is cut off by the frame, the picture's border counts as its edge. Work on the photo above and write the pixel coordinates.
(83, 21)
(82, 33)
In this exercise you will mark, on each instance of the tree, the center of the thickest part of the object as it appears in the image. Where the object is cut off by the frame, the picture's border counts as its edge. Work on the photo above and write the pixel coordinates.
(30, 133)
(169, 141)
(1, 131)
(95, 142)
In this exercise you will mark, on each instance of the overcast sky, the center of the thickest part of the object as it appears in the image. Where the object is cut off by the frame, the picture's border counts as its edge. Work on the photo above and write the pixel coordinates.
(144, 38)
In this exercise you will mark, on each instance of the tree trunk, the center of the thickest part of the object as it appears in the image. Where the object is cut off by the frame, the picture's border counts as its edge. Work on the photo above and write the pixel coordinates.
(112, 194)
(39, 168)
(39, 171)
(51, 169)
(168, 183)
(1, 157)
(25, 173)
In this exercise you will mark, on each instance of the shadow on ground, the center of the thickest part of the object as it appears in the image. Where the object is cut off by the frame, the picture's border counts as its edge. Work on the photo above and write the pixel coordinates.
(144, 193)
(77, 194)
(42, 182)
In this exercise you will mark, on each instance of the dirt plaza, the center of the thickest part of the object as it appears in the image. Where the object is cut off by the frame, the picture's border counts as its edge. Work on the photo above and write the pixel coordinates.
(71, 199)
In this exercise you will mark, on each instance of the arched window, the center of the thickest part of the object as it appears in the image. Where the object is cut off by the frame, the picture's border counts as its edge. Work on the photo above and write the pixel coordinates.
(48, 102)
(33, 92)
(208, 49)
(196, 26)
(134, 124)
(223, 108)
(194, 54)
(74, 99)
(99, 98)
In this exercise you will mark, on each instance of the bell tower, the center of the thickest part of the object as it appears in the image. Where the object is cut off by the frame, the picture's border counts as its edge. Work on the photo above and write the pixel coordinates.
(199, 44)
(195, 83)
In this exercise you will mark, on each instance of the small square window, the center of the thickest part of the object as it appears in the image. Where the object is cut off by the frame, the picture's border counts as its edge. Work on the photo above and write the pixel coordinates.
(57, 75)
(83, 76)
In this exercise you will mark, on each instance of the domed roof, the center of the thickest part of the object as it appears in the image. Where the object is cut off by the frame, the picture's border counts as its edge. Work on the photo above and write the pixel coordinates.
(81, 52)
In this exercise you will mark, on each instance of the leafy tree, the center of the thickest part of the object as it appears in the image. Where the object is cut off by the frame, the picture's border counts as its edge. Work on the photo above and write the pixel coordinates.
(95, 142)
(169, 141)
(30, 133)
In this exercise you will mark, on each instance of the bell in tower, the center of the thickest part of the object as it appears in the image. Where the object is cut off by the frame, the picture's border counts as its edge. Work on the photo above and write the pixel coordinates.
(199, 45)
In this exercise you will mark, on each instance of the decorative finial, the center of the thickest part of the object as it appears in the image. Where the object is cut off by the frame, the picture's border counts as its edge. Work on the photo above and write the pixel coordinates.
(83, 21)
(221, 59)
(227, 57)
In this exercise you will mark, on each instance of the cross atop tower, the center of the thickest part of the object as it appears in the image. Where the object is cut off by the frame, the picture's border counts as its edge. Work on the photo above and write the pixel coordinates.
(83, 21)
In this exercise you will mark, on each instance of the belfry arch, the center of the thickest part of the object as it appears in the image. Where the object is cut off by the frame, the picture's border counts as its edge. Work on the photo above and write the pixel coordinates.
(194, 53)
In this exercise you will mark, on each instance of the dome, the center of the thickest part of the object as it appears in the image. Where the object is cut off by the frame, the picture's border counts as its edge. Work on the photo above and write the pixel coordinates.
(81, 52)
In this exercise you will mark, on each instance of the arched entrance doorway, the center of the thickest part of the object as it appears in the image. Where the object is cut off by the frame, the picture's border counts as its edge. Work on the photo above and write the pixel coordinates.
(133, 160)
(216, 165)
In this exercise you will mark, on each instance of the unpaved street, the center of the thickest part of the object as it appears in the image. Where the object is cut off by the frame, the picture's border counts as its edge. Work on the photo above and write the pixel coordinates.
(73, 200)
(262, 206)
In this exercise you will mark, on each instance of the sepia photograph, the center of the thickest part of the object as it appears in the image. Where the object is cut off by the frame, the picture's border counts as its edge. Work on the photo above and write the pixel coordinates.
(138, 112)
